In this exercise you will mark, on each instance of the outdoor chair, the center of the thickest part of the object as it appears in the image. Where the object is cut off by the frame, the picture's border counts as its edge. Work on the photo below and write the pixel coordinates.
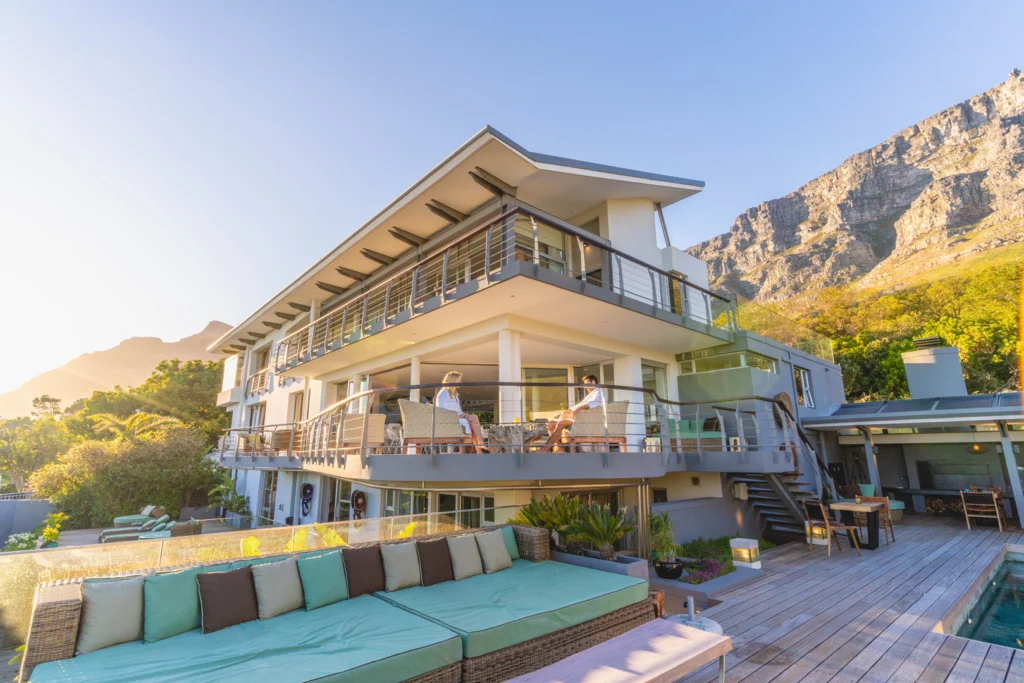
(286, 440)
(884, 515)
(589, 427)
(145, 514)
(819, 518)
(146, 526)
(982, 505)
(423, 425)
(352, 431)
(133, 534)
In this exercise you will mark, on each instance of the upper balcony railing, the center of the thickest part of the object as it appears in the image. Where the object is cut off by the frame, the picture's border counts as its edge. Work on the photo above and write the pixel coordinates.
(767, 323)
(477, 258)
(258, 382)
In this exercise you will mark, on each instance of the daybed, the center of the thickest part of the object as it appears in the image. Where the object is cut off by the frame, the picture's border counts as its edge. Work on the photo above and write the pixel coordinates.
(516, 612)
(145, 514)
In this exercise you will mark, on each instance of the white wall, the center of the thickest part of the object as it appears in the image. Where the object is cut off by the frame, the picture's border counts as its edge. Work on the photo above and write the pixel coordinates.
(680, 486)
(632, 229)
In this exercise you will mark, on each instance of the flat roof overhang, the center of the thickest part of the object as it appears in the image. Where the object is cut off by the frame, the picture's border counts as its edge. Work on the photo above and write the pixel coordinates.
(915, 419)
(560, 186)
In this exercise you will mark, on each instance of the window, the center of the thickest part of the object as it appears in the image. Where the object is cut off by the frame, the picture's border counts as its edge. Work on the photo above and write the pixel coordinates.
(404, 503)
(659, 495)
(339, 504)
(727, 361)
(295, 406)
(239, 371)
(545, 402)
(467, 509)
(488, 509)
(257, 414)
(263, 359)
(267, 498)
(804, 396)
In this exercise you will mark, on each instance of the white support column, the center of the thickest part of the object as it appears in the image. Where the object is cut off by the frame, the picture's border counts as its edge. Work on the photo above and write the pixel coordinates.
(628, 373)
(414, 378)
(510, 369)
(1011, 468)
(872, 460)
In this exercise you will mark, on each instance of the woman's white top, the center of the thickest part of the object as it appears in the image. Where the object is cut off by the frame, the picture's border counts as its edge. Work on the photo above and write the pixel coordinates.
(445, 401)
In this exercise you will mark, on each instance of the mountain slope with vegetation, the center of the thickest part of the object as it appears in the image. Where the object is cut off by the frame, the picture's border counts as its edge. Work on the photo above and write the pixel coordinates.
(127, 364)
(921, 235)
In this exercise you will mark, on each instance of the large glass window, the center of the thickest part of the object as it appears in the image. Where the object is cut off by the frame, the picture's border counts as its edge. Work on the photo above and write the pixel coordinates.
(339, 505)
(267, 498)
(727, 361)
(404, 503)
(545, 402)
(653, 379)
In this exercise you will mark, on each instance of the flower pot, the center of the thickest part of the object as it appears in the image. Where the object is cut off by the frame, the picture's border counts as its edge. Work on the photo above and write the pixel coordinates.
(669, 570)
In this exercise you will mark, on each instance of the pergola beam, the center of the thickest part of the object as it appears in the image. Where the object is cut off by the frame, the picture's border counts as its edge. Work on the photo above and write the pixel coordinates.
(446, 212)
(328, 287)
(285, 316)
(274, 326)
(407, 237)
(258, 335)
(298, 307)
(492, 183)
(382, 259)
(354, 274)
(240, 347)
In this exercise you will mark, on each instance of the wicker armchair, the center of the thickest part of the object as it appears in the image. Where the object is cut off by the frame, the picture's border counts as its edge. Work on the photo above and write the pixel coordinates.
(352, 431)
(589, 426)
(425, 425)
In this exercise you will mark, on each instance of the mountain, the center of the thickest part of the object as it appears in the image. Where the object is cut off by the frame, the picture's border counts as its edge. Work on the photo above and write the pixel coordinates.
(127, 364)
(936, 198)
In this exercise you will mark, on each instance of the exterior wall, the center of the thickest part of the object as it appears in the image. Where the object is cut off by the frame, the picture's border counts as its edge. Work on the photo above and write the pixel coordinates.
(711, 517)
(680, 486)
(632, 229)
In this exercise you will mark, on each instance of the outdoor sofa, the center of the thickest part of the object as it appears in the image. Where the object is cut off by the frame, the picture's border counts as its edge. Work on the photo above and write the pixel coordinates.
(145, 514)
(501, 611)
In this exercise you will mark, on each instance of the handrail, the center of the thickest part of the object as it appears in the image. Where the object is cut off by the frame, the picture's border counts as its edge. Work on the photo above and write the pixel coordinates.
(651, 285)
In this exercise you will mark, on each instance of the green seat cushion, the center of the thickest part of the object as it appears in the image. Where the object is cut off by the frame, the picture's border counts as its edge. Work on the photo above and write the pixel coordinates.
(358, 640)
(172, 603)
(510, 542)
(323, 579)
(897, 505)
(153, 535)
(132, 519)
(526, 601)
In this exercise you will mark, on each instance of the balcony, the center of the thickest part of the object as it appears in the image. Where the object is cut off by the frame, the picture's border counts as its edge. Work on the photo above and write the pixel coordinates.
(378, 435)
(257, 382)
(518, 243)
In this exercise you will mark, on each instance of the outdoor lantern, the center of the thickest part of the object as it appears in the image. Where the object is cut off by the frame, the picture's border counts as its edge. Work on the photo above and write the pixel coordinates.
(745, 553)
(816, 535)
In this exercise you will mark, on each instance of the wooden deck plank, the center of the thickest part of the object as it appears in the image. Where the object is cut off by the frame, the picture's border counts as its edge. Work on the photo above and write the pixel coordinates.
(968, 666)
(944, 660)
(1016, 672)
(996, 665)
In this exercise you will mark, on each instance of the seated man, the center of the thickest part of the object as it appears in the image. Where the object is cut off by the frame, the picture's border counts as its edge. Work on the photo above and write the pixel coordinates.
(594, 399)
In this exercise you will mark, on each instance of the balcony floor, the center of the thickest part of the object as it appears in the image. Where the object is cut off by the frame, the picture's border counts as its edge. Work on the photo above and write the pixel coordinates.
(844, 618)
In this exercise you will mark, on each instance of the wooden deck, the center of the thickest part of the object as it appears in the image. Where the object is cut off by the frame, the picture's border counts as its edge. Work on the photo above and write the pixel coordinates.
(844, 618)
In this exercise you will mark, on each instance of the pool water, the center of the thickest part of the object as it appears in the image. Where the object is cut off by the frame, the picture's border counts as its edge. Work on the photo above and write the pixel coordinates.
(998, 615)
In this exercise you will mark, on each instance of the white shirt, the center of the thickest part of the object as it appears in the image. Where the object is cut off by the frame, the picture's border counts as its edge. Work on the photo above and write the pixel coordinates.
(591, 400)
(445, 401)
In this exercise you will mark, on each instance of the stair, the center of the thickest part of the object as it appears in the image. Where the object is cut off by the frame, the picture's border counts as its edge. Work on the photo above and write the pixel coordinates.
(776, 514)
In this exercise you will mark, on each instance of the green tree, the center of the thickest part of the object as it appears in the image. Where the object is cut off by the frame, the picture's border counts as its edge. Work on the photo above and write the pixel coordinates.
(26, 445)
(136, 425)
(45, 406)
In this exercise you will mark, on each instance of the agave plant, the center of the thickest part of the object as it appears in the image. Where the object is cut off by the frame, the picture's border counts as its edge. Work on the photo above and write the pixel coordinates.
(554, 514)
(597, 524)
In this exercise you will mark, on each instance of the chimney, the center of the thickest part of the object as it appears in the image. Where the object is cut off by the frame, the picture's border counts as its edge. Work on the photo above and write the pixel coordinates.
(933, 369)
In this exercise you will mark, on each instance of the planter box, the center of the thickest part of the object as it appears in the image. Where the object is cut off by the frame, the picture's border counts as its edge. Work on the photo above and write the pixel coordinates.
(629, 566)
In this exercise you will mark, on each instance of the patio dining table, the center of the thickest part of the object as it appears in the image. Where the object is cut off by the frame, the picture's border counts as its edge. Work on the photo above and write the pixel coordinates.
(846, 510)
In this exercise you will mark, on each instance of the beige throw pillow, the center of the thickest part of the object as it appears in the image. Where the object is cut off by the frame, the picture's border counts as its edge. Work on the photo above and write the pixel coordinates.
(493, 551)
(465, 557)
(278, 587)
(111, 613)
(401, 565)
(148, 510)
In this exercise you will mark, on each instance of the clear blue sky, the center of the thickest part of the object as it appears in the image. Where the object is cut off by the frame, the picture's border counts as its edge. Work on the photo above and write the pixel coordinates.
(165, 164)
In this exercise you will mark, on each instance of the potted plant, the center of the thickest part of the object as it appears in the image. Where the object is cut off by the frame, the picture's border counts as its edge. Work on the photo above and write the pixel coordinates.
(663, 548)
(224, 496)
(597, 524)
(556, 515)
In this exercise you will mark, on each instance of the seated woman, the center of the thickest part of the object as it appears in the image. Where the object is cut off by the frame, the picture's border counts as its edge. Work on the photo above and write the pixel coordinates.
(448, 399)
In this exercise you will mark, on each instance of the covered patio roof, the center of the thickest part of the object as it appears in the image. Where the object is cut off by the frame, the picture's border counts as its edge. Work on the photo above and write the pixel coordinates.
(917, 412)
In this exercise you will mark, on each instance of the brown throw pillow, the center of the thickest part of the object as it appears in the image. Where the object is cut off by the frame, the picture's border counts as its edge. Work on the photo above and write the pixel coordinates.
(364, 570)
(435, 561)
(227, 598)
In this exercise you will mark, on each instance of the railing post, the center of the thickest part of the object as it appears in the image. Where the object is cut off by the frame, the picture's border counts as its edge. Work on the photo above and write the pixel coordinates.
(387, 303)
(444, 276)
(344, 322)
(433, 424)
(363, 455)
(707, 308)
(487, 255)
(412, 294)
(654, 288)
(536, 241)
(721, 429)
(739, 428)
(362, 315)
(583, 260)
(607, 442)
(622, 277)
(697, 429)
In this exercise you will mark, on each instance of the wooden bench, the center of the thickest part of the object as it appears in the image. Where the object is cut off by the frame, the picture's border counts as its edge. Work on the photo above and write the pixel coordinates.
(660, 651)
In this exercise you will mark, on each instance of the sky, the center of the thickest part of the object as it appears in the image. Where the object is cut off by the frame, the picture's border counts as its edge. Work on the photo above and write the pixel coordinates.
(164, 164)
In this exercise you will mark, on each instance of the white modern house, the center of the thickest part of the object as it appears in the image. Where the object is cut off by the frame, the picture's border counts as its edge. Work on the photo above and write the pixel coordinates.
(526, 273)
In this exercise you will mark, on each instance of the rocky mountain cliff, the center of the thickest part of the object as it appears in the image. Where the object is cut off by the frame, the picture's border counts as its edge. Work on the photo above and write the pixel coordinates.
(934, 197)
(127, 364)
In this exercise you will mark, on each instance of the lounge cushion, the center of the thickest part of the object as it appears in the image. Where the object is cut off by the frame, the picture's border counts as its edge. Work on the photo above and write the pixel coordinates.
(352, 641)
(465, 555)
(227, 599)
(172, 604)
(493, 552)
(510, 542)
(528, 600)
(160, 527)
(897, 505)
(130, 519)
(364, 570)
(323, 579)
(278, 587)
(111, 613)
(435, 561)
(401, 565)
(153, 535)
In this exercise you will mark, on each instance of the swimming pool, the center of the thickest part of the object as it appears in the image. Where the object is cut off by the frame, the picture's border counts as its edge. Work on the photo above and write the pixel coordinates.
(997, 616)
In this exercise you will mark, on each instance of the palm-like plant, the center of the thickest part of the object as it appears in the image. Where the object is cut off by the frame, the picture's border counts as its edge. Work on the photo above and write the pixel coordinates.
(597, 524)
(135, 425)
(663, 544)
(554, 514)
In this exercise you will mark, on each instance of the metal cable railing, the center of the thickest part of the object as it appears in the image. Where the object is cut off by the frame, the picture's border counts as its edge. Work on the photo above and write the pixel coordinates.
(257, 382)
(474, 260)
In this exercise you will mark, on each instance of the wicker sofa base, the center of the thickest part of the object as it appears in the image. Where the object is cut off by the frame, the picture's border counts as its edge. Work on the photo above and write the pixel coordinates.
(446, 674)
(535, 654)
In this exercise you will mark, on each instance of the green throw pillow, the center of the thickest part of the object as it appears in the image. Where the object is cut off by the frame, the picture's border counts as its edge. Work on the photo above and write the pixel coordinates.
(159, 527)
(510, 542)
(323, 579)
(867, 489)
(172, 604)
